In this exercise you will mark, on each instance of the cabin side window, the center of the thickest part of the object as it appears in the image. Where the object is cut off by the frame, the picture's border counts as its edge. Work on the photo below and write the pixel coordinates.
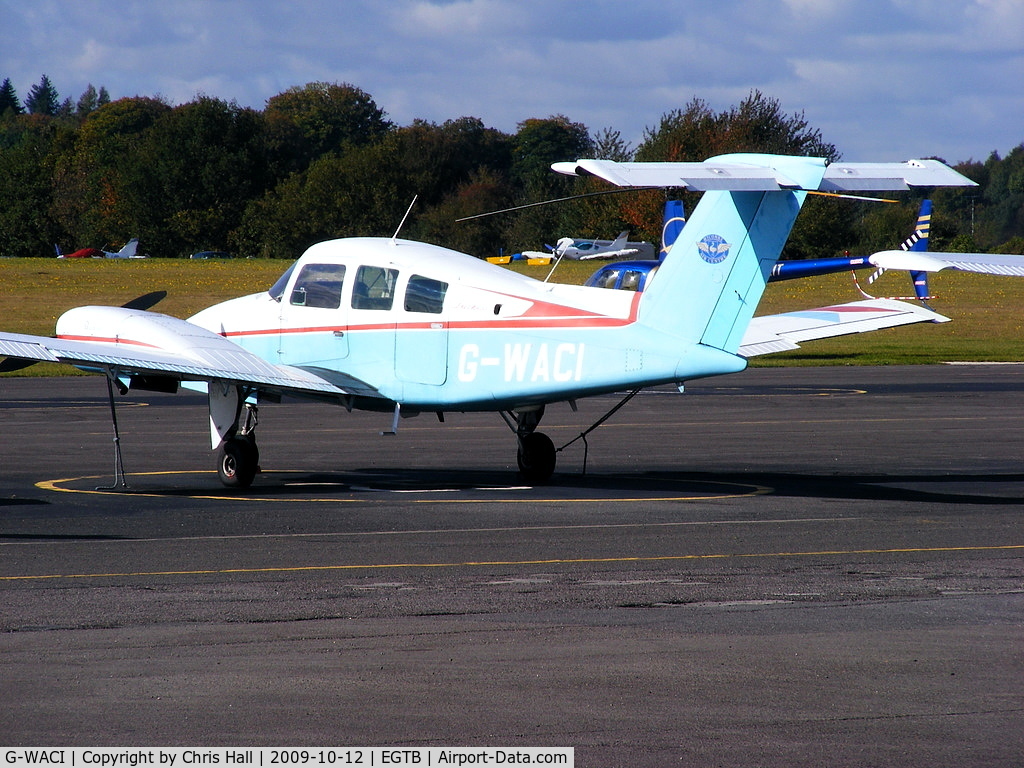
(374, 288)
(319, 285)
(425, 295)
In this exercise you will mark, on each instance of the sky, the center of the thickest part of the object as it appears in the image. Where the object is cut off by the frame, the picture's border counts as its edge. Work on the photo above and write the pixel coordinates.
(883, 80)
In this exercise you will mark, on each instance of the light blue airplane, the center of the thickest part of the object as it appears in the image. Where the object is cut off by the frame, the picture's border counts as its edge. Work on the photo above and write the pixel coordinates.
(401, 327)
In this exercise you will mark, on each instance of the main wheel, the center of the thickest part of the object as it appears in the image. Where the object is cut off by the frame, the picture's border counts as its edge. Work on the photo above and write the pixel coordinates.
(238, 461)
(536, 457)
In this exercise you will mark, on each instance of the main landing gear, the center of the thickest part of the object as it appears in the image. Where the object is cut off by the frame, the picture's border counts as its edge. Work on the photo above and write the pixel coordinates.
(536, 454)
(238, 458)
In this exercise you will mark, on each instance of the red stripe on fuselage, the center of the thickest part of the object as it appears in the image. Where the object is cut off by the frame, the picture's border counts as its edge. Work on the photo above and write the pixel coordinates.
(551, 320)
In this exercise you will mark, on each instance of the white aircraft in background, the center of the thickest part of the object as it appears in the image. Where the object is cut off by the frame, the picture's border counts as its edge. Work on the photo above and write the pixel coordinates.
(575, 248)
(405, 328)
(130, 251)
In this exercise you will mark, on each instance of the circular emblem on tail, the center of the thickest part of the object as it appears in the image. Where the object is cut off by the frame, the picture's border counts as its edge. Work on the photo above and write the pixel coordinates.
(713, 249)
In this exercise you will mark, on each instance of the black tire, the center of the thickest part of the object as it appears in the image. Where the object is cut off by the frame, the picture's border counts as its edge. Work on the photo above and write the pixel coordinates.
(238, 462)
(536, 458)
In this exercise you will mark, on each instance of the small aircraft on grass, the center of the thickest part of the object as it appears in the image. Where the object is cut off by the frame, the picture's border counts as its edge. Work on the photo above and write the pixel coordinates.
(129, 251)
(584, 250)
(402, 327)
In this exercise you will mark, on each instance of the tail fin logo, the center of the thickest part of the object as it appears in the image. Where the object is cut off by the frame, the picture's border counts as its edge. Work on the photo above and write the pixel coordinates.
(713, 249)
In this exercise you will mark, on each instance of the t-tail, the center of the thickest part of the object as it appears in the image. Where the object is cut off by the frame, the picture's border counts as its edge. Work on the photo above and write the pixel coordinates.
(709, 285)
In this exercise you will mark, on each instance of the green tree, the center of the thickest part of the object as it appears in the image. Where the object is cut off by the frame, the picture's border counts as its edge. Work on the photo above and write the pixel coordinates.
(537, 144)
(9, 103)
(486, 190)
(756, 124)
(91, 100)
(27, 159)
(306, 122)
(89, 191)
(195, 170)
(43, 98)
(367, 189)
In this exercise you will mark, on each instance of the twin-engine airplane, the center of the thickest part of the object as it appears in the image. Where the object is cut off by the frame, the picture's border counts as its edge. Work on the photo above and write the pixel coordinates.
(403, 327)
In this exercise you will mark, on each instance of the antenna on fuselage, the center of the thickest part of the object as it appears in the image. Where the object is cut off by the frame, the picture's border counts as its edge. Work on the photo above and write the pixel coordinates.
(394, 237)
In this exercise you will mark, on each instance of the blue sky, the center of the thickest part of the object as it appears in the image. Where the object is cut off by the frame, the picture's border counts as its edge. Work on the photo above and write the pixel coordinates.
(881, 79)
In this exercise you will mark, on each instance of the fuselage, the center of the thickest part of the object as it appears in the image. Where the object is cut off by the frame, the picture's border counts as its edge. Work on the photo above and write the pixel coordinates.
(435, 329)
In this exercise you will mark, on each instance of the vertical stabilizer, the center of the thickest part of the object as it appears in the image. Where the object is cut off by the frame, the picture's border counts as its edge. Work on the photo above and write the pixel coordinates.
(919, 242)
(712, 280)
(671, 225)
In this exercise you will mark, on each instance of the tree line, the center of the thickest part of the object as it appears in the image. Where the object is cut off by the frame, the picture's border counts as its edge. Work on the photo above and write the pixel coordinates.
(323, 160)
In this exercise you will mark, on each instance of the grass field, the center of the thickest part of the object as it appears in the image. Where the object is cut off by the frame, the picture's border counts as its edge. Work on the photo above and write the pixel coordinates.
(987, 312)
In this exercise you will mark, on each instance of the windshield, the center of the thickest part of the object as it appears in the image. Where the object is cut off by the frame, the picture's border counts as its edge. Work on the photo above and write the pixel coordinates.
(277, 289)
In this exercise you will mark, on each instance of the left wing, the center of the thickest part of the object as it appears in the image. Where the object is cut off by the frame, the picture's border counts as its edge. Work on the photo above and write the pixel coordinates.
(779, 333)
(144, 346)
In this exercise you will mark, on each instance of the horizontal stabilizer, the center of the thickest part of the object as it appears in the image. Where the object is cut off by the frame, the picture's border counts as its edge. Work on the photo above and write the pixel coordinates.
(741, 172)
(934, 261)
(779, 333)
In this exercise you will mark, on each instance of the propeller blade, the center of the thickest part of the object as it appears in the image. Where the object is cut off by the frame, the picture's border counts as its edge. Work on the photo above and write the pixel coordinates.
(146, 301)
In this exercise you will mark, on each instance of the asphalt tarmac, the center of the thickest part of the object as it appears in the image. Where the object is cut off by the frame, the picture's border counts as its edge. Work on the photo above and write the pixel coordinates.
(785, 567)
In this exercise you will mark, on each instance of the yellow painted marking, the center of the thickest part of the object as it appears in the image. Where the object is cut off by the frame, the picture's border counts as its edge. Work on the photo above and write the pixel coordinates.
(509, 563)
(745, 491)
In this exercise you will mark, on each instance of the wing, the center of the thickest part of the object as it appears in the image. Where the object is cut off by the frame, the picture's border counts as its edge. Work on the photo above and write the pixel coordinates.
(147, 346)
(779, 333)
(934, 261)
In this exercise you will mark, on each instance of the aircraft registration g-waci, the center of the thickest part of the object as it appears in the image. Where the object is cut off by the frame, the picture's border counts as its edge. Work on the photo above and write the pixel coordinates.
(402, 327)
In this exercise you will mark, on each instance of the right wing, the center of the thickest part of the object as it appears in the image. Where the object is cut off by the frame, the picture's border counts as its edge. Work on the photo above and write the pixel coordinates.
(780, 333)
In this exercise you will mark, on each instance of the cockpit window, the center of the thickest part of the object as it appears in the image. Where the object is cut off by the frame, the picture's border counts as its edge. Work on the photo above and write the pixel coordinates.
(277, 289)
(319, 285)
(374, 288)
(631, 280)
(606, 278)
(425, 295)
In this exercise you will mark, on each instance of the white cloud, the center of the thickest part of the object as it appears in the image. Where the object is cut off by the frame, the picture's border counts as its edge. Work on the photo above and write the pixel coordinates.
(875, 78)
